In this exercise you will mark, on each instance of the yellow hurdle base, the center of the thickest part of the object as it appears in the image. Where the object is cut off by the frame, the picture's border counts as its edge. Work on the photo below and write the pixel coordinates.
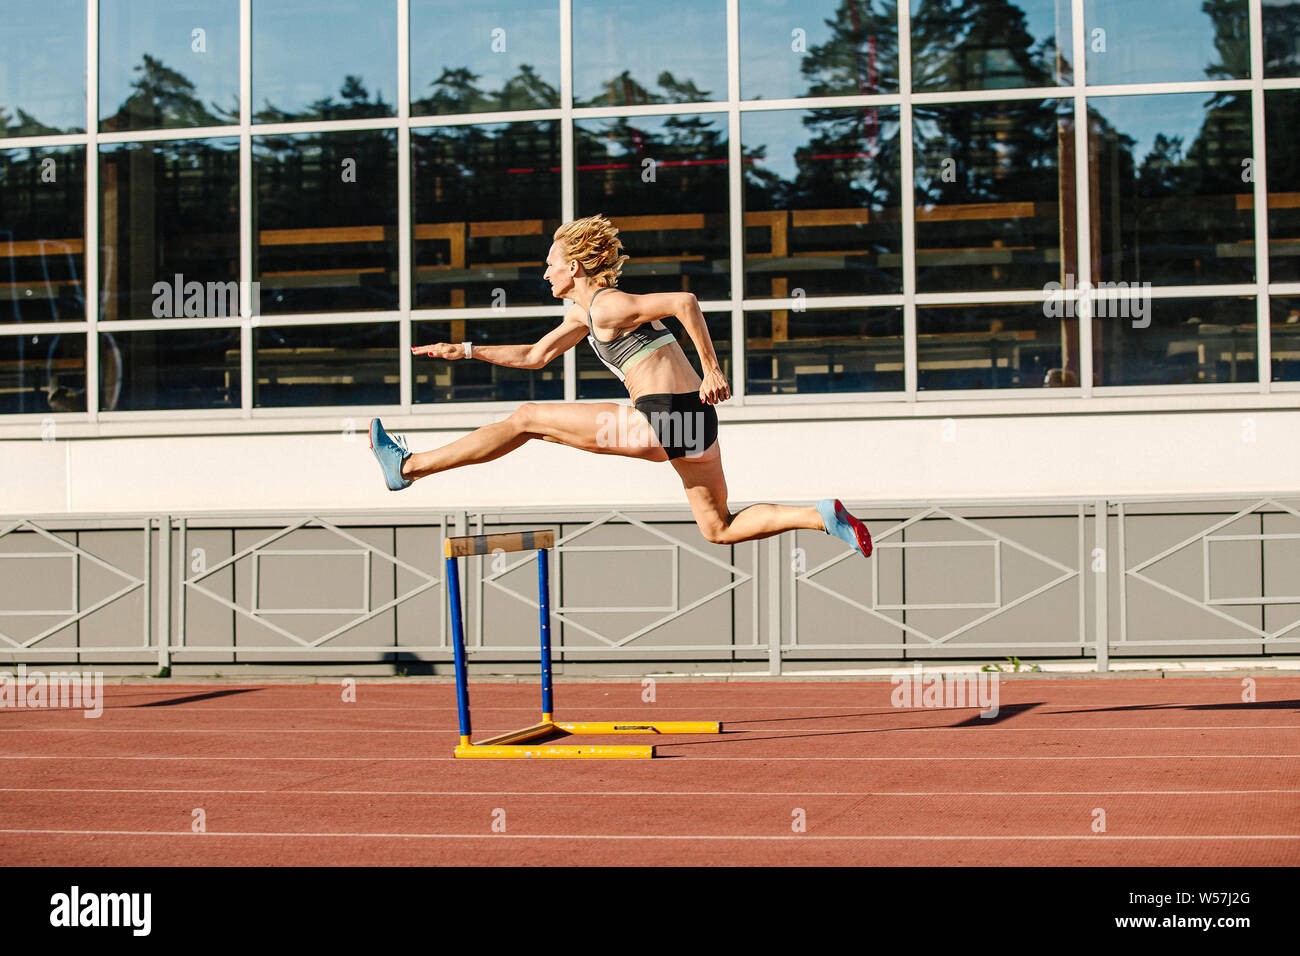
(554, 751)
(514, 745)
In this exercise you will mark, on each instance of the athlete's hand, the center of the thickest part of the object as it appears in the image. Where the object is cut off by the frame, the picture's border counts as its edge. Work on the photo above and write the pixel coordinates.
(714, 388)
(440, 350)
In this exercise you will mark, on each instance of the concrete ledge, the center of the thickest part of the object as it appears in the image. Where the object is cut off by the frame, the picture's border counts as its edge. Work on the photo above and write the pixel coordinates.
(1120, 670)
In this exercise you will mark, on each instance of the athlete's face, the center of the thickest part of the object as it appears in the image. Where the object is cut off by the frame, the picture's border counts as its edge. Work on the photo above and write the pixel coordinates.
(559, 272)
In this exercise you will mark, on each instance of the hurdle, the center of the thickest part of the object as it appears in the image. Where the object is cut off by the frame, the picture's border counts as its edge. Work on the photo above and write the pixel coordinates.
(516, 743)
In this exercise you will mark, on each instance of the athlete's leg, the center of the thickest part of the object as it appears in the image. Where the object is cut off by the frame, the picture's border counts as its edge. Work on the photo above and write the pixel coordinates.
(706, 490)
(600, 427)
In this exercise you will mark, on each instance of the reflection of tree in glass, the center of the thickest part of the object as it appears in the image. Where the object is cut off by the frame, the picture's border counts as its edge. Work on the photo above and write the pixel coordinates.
(1211, 164)
(977, 44)
(698, 140)
(1152, 191)
(623, 90)
(462, 170)
(163, 97)
(852, 157)
(25, 124)
(299, 185)
(1282, 39)
(356, 104)
(1281, 120)
(1231, 38)
(1001, 152)
(1160, 173)
(861, 55)
(456, 91)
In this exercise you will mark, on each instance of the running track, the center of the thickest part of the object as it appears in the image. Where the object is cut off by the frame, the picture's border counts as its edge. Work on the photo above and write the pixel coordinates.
(1187, 774)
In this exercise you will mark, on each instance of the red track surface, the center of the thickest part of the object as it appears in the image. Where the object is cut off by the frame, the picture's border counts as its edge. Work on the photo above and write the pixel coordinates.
(1185, 772)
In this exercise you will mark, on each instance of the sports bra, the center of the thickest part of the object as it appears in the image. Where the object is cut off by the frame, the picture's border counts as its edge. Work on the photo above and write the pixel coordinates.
(622, 353)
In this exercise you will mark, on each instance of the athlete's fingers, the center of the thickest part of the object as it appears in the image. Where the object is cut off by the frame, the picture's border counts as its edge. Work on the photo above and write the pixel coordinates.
(438, 349)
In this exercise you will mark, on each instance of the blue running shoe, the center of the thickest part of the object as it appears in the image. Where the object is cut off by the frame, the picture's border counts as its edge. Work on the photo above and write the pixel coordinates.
(391, 451)
(837, 521)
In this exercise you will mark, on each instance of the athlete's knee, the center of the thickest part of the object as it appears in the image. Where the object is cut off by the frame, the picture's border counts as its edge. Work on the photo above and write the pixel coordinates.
(715, 529)
(525, 416)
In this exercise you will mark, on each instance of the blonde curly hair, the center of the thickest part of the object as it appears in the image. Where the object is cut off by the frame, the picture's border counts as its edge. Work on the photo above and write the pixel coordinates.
(594, 243)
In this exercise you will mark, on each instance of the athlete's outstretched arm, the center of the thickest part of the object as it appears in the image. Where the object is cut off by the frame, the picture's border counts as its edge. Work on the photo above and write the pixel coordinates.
(554, 343)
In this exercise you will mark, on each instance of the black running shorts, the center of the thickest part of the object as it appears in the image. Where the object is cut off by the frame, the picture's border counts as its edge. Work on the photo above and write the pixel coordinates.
(685, 426)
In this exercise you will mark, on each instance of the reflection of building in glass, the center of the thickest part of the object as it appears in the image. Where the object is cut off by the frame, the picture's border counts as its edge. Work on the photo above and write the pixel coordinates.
(844, 239)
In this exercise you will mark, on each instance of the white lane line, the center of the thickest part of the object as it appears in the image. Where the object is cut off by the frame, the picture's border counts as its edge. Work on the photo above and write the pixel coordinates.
(1095, 837)
(756, 730)
(692, 757)
(768, 707)
(662, 793)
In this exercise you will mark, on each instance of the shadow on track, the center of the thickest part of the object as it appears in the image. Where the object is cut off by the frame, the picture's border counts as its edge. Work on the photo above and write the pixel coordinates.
(1256, 705)
(975, 720)
(197, 697)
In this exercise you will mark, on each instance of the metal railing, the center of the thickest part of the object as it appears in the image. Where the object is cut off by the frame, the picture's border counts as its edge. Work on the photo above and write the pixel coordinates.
(948, 581)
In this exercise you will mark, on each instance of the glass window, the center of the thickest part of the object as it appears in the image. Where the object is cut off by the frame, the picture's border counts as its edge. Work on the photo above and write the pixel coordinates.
(486, 202)
(597, 381)
(502, 55)
(978, 45)
(1016, 345)
(791, 352)
(1281, 121)
(1158, 41)
(1176, 342)
(626, 52)
(350, 364)
(438, 380)
(168, 228)
(822, 202)
(663, 180)
(42, 234)
(818, 48)
(165, 63)
(990, 189)
(193, 368)
(323, 60)
(1282, 37)
(43, 72)
(1285, 321)
(40, 374)
(326, 221)
(1171, 204)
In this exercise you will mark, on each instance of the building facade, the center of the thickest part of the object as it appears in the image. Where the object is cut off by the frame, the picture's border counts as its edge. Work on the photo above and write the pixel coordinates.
(947, 249)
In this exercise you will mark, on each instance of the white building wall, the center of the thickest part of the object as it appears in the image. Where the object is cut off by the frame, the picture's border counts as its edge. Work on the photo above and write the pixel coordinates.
(1132, 446)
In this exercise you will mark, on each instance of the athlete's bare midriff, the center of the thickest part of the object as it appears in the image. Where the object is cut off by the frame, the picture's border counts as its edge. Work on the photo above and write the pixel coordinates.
(662, 371)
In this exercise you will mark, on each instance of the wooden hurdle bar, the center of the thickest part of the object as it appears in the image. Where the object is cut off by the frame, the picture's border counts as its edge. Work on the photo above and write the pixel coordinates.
(517, 743)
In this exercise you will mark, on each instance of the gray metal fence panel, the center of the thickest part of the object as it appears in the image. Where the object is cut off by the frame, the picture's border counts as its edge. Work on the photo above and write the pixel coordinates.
(1041, 578)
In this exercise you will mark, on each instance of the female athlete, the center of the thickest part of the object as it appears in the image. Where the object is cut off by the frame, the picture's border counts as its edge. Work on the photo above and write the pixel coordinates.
(672, 416)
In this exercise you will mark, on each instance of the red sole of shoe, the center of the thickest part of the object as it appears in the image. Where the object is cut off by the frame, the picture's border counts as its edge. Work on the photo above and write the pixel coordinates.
(859, 529)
